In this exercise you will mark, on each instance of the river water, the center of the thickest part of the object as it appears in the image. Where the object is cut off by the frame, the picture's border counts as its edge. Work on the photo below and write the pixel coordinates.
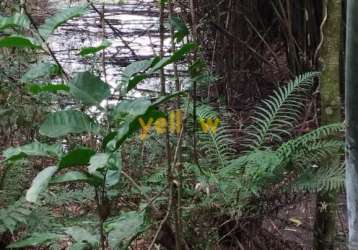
(138, 23)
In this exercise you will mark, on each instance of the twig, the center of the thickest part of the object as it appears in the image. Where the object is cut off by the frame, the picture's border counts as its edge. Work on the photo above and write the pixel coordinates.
(164, 220)
(114, 29)
(264, 41)
(325, 18)
(253, 51)
(52, 54)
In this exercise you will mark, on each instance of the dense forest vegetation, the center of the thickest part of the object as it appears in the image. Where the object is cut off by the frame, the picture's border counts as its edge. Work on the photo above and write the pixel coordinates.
(178, 124)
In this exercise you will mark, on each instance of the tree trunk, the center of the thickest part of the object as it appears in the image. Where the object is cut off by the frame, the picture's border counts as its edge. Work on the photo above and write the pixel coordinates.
(352, 122)
(326, 205)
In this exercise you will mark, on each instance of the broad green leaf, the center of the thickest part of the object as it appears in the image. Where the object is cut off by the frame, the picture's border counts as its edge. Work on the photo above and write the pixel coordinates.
(77, 157)
(60, 18)
(80, 246)
(123, 229)
(17, 20)
(80, 234)
(66, 122)
(42, 69)
(89, 89)
(129, 127)
(138, 71)
(181, 30)
(98, 161)
(33, 149)
(35, 240)
(130, 77)
(76, 176)
(132, 107)
(176, 56)
(48, 88)
(133, 82)
(133, 111)
(163, 99)
(40, 183)
(182, 52)
(9, 223)
(114, 170)
(159, 65)
(93, 50)
(17, 41)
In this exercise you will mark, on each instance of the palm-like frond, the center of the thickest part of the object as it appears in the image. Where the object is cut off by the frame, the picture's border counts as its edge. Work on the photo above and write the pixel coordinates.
(319, 139)
(217, 147)
(280, 112)
(323, 178)
(14, 215)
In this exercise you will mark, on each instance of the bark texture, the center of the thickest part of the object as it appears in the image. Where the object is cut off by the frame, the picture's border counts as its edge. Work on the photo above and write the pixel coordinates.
(352, 122)
(326, 207)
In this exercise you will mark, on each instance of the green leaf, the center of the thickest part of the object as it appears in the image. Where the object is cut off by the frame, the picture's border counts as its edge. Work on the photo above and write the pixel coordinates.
(123, 229)
(17, 41)
(65, 122)
(33, 149)
(35, 240)
(180, 28)
(40, 183)
(82, 235)
(77, 157)
(98, 161)
(17, 20)
(182, 52)
(89, 89)
(48, 88)
(114, 170)
(9, 223)
(129, 76)
(42, 69)
(159, 65)
(176, 56)
(129, 127)
(76, 176)
(80, 246)
(163, 99)
(132, 107)
(93, 50)
(60, 18)
(133, 82)
(133, 110)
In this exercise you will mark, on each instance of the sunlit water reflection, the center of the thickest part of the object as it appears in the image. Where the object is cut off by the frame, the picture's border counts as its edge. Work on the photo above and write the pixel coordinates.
(138, 23)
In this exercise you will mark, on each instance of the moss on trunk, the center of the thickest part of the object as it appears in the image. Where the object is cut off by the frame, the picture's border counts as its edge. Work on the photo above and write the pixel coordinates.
(326, 207)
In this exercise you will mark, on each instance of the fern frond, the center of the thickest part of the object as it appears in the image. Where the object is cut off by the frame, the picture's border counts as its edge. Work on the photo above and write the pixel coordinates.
(14, 215)
(158, 177)
(286, 150)
(206, 112)
(217, 147)
(280, 112)
(322, 179)
(316, 152)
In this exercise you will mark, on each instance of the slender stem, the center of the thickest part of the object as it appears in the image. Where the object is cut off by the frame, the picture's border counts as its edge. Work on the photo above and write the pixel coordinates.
(114, 29)
(178, 219)
(50, 51)
(99, 209)
(194, 94)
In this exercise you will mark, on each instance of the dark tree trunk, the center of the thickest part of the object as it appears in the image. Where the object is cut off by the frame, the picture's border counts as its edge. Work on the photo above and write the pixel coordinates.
(352, 122)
